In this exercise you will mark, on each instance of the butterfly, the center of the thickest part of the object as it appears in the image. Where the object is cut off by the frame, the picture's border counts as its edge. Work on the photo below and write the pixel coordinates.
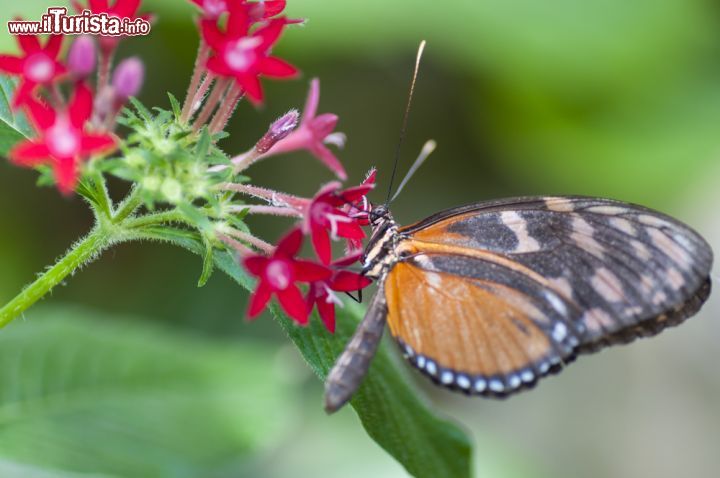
(488, 298)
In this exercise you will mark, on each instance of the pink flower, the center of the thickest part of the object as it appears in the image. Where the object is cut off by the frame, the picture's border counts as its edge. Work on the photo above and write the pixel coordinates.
(322, 293)
(244, 55)
(37, 65)
(325, 217)
(63, 141)
(278, 275)
(314, 133)
(82, 57)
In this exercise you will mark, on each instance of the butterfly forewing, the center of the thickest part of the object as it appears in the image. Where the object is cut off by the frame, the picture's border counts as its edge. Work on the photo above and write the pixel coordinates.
(561, 275)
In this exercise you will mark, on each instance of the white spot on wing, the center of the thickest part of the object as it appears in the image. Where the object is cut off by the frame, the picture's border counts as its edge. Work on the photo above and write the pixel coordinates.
(463, 382)
(446, 378)
(670, 248)
(480, 385)
(606, 283)
(434, 279)
(622, 224)
(597, 319)
(675, 278)
(654, 221)
(641, 250)
(559, 332)
(608, 210)
(525, 242)
(562, 285)
(556, 303)
(582, 235)
(559, 204)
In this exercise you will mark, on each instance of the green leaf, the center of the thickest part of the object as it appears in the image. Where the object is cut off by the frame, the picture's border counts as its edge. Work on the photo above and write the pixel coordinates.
(391, 410)
(208, 264)
(175, 105)
(13, 125)
(81, 393)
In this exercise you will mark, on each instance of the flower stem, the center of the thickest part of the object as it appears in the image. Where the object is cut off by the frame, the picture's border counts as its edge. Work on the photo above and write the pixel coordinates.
(81, 253)
(128, 206)
(190, 98)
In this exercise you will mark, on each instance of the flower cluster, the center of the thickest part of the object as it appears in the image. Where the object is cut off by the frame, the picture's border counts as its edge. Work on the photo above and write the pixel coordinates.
(182, 183)
(334, 213)
(70, 129)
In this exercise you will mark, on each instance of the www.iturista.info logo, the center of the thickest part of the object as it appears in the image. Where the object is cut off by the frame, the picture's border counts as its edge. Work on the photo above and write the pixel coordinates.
(56, 21)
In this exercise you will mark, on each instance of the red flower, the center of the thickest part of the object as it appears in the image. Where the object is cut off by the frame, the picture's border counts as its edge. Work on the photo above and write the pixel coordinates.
(243, 55)
(322, 293)
(120, 9)
(63, 141)
(212, 9)
(360, 210)
(37, 65)
(326, 212)
(278, 274)
(314, 133)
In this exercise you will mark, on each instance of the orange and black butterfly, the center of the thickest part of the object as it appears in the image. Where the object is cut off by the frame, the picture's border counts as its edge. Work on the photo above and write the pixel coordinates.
(488, 298)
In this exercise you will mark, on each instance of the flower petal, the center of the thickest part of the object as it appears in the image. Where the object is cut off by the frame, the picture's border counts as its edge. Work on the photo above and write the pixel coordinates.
(11, 64)
(328, 158)
(126, 8)
(251, 85)
(312, 101)
(52, 47)
(42, 115)
(24, 93)
(255, 264)
(273, 7)
(270, 33)
(290, 244)
(216, 65)
(350, 230)
(94, 144)
(293, 303)
(81, 106)
(326, 310)
(29, 153)
(211, 34)
(323, 125)
(321, 243)
(356, 193)
(308, 271)
(66, 175)
(350, 259)
(276, 68)
(29, 43)
(238, 22)
(346, 281)
(258, 300)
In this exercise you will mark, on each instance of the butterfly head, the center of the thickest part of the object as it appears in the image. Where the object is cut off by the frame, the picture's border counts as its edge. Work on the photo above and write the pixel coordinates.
(379, 215)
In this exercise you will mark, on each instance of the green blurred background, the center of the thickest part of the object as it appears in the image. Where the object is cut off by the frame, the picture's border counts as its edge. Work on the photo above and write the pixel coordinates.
(608, 98)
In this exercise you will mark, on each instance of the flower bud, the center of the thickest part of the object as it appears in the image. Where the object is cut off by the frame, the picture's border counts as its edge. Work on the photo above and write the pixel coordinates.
(280, 129)
(128, 78)
(82, 56)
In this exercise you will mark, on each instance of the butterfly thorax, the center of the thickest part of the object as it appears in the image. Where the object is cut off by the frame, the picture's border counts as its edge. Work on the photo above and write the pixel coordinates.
(381, 251)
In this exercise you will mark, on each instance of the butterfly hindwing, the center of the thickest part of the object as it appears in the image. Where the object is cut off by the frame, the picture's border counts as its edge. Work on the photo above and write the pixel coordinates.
(591, 272)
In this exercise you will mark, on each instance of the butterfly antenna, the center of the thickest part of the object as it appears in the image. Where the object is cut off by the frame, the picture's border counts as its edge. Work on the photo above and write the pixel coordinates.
(426, 151)
(403, 129)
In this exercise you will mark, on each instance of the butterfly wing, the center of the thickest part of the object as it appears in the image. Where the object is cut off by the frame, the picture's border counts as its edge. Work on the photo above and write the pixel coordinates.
(492, 296)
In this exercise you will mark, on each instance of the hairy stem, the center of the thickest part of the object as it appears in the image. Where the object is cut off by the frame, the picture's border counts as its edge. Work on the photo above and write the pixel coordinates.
(202, 56)
(81, 253)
